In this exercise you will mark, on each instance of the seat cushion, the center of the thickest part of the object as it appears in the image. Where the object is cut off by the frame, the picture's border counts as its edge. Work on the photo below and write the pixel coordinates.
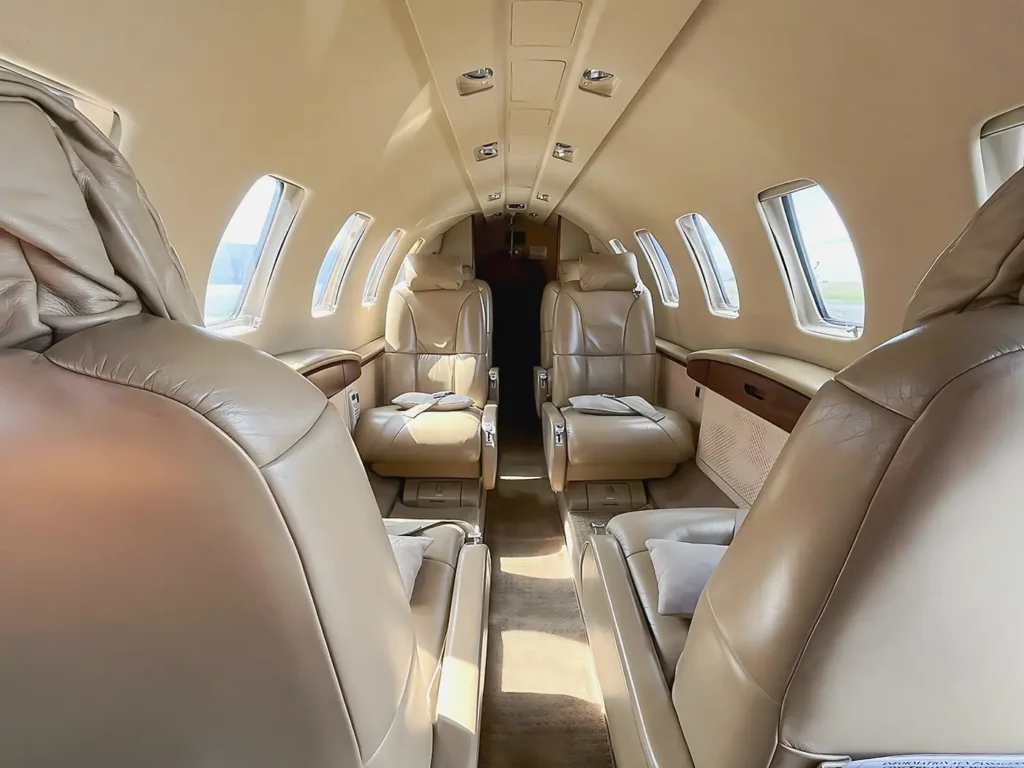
(633, 529)
(388, 434)
(432, 594)
(631, 440)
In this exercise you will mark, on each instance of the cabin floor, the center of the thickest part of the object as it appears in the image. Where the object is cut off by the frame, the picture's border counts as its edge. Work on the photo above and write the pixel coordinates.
(542, 705)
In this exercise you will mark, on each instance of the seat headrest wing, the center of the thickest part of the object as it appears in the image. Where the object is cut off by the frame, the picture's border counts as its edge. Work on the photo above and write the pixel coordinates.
(568, 271)
(608, 272)
(80, 244)
(982, 267)
(433, 272)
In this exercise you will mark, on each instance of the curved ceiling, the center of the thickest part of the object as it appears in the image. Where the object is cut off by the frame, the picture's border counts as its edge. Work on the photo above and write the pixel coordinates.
(357, 102)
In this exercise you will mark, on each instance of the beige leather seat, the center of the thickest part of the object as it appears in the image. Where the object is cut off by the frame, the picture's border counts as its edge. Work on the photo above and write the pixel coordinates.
(602, 342)
(436, 341)
(568, 271)
(869, 605)
(194, 569)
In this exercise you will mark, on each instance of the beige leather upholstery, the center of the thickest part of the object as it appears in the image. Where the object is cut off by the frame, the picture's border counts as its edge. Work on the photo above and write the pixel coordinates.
(826, 629)
(109, 258)
(190, 536)
(632, 530)
(603, 342)
(568, 271)
(436, 340)
(238, 468)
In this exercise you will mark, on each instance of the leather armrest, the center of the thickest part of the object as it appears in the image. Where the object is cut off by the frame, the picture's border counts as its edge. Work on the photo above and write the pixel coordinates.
(541, 391)
(489, 450)
(460, 689)
(556, 454)
(331, 370)
(493, 385)
(702, 525)
(642, 720)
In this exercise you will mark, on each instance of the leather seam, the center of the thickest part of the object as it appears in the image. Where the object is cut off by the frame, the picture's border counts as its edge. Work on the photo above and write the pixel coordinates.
(937, 392)
(732, 651)
(98, 377)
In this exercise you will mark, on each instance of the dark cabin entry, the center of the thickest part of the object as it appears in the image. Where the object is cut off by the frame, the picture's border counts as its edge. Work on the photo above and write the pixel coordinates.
(517, 258)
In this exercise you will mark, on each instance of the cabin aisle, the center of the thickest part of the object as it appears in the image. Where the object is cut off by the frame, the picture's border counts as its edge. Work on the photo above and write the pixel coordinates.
(541, 701)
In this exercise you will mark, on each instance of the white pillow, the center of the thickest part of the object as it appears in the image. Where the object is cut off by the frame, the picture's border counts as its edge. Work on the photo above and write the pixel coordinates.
(449, 402)
(682, 568)
(409, 551)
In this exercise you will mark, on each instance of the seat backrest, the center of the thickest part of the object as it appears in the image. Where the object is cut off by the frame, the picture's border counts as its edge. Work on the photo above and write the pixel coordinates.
(870, 605)
(435, 334)
(568, 271)
(602, 339)
(187, 531)
(468, 275)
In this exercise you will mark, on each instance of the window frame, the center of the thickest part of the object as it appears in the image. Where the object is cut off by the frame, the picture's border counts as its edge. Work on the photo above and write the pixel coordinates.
(995, 141)
(399, 273)
(783, 227)
(617, 247)
(696, 240)
(664, 275)
(328, 303)
(276, 227)
(380, 263)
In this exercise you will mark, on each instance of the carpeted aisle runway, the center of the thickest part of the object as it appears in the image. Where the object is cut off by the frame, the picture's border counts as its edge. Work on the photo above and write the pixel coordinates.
(541, 702)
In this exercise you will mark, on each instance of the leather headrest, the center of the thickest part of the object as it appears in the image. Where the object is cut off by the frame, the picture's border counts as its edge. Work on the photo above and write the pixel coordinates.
(608, 272)
(433, 272)
(568, 271)
(982, 267)
(80, 244)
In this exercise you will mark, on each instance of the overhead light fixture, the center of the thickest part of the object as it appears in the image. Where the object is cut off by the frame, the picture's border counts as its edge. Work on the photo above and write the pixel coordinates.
(474, 81)
(516, 206)
(532, 213)
(494, 196)
(543, 197)
(598, 81)
(486, 151)
(563, 152)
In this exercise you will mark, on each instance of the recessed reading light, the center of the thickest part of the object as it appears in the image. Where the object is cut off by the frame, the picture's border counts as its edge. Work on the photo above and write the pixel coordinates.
(475, 81)
(486, 151)
(494, 196)
(563, 152)
(543, 197)
(484, 73)
(596, 75)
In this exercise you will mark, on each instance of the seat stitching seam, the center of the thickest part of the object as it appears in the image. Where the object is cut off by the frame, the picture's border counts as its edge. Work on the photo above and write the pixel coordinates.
(732, 651)
(98, 376)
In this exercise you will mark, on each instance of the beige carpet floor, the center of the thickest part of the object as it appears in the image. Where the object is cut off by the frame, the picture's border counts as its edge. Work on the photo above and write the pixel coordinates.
(541, 702)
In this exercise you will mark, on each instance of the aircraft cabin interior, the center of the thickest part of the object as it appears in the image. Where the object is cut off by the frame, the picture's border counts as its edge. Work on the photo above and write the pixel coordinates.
(511, 383)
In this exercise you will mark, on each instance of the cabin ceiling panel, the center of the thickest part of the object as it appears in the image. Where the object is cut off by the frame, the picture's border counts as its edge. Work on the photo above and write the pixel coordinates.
(545, 23)
(538, 50)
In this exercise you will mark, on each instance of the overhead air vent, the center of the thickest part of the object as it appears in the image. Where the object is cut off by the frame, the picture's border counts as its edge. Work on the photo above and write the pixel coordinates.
(475, 81)
(598, 81)
(486, 151)
(563, 152)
